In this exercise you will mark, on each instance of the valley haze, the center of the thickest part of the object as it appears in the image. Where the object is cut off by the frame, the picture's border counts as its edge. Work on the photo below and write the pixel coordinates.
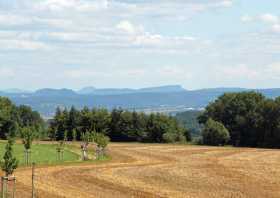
(169, 99)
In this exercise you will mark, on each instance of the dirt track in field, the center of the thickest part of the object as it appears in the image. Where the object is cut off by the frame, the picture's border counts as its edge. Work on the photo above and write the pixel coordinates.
(143, 170)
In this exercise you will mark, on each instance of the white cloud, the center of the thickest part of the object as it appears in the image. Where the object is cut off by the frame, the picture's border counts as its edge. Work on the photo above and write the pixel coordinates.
(56, 22)
(140, 37)
(148, 39)
(22, 45)
(269, 18)
(7, 72)
(99, 73)
(80, 73)
(247, 18)
(128, 27)
(56, 5)
(276, 28)
(226, 3)
(66, 5)
(273, 71)
(250, 73)
(266, 18)
(71, 36)
(94, 6)
(22, 40)
(175, 72)
(239, 72)
(85, 33)
(70, 27)
(12, 20)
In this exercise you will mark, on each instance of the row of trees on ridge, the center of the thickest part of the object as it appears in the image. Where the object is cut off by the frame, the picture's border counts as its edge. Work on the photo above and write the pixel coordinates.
(119, 125)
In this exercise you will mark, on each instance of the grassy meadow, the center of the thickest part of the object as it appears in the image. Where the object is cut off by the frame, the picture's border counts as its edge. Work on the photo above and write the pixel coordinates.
(41, 153)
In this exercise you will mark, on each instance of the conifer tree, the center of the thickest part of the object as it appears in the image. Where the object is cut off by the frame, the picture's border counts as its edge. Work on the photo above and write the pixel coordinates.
(9, 162)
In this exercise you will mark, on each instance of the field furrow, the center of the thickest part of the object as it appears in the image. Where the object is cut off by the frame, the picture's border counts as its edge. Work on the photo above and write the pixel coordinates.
(144, 170)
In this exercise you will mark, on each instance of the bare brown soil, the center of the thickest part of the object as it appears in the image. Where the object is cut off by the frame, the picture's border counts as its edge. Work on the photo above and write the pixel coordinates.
(144, 170)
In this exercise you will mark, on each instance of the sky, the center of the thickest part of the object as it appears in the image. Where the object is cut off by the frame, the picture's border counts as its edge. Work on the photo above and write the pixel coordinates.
(139, 43)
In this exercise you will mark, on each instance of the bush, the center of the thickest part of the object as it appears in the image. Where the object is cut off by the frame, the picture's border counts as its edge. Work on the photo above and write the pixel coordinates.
(169, 137)
(173, 137)
(101, 140)
(215, 133)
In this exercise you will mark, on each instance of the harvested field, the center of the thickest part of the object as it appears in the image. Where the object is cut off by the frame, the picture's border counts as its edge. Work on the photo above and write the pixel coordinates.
(144, 170)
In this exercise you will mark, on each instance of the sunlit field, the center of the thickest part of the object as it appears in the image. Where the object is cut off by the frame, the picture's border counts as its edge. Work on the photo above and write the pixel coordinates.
(159, 170)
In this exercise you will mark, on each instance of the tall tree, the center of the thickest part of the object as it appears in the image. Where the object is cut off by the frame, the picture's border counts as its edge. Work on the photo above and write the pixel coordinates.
(8, 118)
(73, 122)
(115, 129)
(59, 124)
(9, 163)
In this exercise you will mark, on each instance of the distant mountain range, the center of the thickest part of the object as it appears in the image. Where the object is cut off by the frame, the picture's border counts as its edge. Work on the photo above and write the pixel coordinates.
(163, 89)
(95, 91)
(170, 99)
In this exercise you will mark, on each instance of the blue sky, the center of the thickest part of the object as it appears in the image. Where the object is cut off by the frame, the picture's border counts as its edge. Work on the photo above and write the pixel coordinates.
(129, 43)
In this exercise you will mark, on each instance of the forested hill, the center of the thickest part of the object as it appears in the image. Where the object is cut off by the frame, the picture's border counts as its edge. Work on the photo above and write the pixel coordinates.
(167, 98)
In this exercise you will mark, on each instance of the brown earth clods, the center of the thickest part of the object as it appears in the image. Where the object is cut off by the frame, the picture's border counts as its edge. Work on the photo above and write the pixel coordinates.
(146, 170)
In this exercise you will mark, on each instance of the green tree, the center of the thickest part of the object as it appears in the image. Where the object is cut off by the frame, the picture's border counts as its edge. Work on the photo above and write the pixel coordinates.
(174, 132)
(138, 126)
(115, 125)
(87, 137)
(65, 136)
(9, 162)
(8, 118)
(74, 135)
(119, 125)
(239, 113)
(101, 141)
(12, 118)
(86, 123)
(155, 128)
(170, 137)
(268, 131)
(215, 133)
(101, 120)
(73, 122)
(27, 135)
(189, 120)
(59, 124)
(27, 117)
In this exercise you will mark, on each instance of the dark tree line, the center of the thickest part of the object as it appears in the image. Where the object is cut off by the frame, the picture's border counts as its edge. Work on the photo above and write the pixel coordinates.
(251, 119)
(13, 118)
(119, 125)
(189, 120)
